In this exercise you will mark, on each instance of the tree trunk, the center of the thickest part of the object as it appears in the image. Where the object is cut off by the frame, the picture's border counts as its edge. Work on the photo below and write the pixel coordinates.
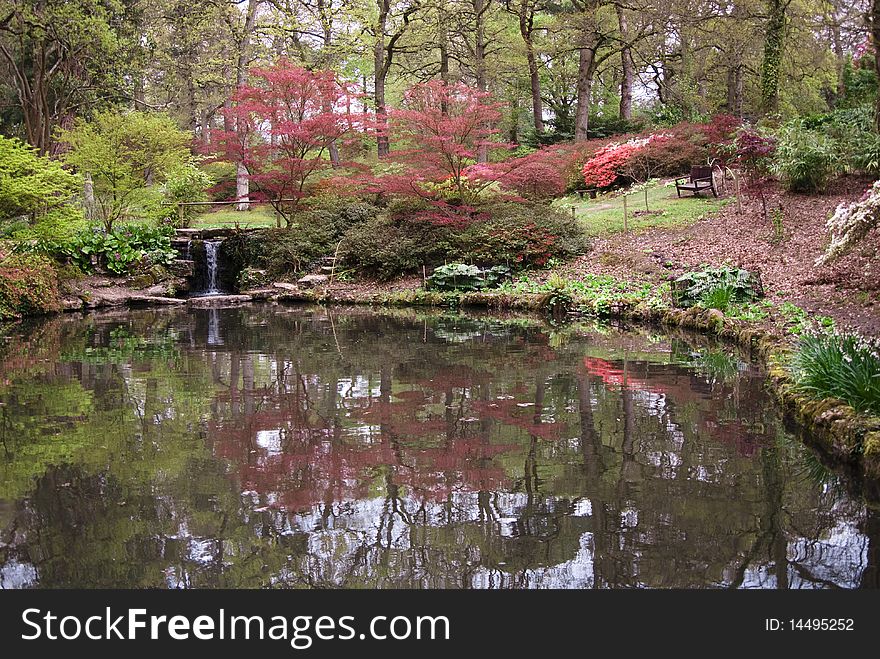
(89, 197)
(735, 86)
(383, 145)
(380, 73)
(327, 27)
(839, 56)
(586, 68)
(242, 176)
(444, 63)
(774, 46)
(481, 7)
(526, 27)
(626, 67)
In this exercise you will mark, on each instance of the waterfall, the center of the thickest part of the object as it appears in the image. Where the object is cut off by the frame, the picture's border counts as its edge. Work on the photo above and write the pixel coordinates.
(211, 263)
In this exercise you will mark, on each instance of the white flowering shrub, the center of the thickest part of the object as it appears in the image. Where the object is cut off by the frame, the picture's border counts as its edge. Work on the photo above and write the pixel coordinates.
(852, 222)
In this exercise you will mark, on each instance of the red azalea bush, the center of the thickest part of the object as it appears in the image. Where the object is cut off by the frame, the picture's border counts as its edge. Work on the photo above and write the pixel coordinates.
(604, 168)
(671, 153)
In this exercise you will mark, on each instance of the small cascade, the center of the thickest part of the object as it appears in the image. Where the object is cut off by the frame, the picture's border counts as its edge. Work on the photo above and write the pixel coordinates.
(204, 263)
(211, 265)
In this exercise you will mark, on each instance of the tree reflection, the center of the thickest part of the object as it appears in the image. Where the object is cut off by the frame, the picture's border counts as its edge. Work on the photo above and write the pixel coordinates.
(284, 447)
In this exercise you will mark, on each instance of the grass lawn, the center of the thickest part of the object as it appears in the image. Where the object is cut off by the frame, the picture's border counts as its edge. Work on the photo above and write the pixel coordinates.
(258, 216)
(605, 214)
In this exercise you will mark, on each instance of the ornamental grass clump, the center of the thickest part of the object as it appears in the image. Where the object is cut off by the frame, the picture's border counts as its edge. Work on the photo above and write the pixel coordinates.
(843, 366)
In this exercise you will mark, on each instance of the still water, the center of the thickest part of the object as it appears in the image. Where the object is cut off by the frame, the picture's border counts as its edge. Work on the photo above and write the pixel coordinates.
(283, 446)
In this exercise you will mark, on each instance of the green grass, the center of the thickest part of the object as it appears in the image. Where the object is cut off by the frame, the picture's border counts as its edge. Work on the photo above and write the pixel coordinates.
(258, 216)
(605, 214)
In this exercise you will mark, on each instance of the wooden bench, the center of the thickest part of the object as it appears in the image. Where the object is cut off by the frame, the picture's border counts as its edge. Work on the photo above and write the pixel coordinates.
(590, 191)
(700, 179)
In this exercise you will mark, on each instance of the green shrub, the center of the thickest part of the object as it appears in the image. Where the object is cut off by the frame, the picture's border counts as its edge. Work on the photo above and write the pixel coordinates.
(339, 212)
(295, 249)
(716, 285)
(313, 234)
(516, 235)
(126, 248)
(843, 366)
(59, 224)
(805, 160)
(864, 152)
(34, 187)
(385, 248)
(463, 277)
(28, 286)
(185, 184)
(850, 131)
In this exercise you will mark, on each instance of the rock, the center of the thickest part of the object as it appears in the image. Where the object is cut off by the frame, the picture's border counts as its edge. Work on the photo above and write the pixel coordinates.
(284, 286)
(187, 234)
(150, 300)
(219, 232)
(260, 293)
(310, 281)
(153, 275)
(182, 268)
(144, 280)
(252, 278)
(100, 301)
(72, 304)
(217, 301)
(291, 296)
(715, 317)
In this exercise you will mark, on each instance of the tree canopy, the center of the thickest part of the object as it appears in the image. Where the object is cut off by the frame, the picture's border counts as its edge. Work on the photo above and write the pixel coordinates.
(570, 69)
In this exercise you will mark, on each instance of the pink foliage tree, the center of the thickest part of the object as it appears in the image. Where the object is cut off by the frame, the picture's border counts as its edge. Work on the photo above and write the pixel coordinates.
(538, 175)
(284, 125)
(443, 129)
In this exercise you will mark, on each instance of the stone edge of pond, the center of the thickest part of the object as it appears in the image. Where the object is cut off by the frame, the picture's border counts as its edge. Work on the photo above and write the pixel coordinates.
(847, 438)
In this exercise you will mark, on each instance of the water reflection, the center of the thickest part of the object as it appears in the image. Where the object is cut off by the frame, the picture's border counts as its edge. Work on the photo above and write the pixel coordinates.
(288, 447)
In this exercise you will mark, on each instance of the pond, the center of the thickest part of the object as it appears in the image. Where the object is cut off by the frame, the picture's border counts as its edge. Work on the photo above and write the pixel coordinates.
(310, 447)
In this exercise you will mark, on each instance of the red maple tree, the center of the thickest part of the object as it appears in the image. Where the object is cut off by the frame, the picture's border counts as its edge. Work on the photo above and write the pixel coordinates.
(443, 129)
(284, 123)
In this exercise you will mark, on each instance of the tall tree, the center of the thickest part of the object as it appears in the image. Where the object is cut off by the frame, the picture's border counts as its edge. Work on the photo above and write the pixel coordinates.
(392, 22)
(242, 61)
(774, 48)
(61, 55)
(525, 12)
(626, 65)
